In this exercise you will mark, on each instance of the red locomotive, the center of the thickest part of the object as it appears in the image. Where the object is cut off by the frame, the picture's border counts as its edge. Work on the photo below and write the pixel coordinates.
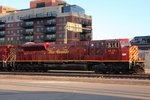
(102, 56)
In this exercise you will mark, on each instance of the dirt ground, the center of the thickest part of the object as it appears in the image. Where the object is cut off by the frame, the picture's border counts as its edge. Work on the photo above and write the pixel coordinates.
(76, 79)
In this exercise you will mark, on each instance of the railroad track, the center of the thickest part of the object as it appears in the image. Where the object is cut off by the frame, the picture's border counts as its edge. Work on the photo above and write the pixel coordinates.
(89, 75)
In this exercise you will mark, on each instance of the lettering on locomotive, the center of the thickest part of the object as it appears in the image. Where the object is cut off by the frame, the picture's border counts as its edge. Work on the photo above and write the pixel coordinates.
(57, 51)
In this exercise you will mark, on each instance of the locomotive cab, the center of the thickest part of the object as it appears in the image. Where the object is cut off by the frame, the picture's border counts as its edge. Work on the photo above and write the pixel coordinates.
(130, 55)
(125, 46)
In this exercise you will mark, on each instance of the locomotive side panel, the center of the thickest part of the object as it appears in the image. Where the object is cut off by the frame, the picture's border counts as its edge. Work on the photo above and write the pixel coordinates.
(106, 56)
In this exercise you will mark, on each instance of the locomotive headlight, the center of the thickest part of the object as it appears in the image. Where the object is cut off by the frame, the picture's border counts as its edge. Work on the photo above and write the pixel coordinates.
(124, 54)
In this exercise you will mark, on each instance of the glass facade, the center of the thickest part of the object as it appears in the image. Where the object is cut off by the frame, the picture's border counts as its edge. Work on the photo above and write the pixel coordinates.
(73, 9)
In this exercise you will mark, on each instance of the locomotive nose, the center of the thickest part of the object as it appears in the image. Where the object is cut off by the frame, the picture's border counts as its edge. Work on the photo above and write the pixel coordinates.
(133, 53)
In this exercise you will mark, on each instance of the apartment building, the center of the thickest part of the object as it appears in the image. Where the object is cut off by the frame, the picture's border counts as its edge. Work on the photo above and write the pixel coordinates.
(44, 21)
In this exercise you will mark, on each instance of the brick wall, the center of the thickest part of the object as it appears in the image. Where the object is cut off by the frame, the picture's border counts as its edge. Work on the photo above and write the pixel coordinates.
(34, 3)
(4, 9)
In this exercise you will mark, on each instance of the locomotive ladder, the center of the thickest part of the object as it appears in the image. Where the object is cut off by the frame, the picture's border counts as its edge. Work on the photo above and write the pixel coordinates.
(9, 61)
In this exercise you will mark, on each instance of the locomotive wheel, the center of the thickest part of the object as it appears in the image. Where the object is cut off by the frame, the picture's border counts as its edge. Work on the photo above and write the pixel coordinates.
(139, 69)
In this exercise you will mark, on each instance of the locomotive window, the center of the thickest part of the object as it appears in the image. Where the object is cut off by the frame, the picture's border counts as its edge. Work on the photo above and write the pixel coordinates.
(92, 45)
(125, 44)
(97, 45)
(112, 45)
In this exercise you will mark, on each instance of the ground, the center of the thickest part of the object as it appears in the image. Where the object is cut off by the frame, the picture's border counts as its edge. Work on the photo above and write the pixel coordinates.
(72, 88)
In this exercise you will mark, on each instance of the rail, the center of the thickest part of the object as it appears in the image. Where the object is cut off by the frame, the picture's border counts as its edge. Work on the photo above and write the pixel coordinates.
(89, 75)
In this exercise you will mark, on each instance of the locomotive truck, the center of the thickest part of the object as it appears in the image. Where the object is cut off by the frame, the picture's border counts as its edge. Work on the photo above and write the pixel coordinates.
(101, 56)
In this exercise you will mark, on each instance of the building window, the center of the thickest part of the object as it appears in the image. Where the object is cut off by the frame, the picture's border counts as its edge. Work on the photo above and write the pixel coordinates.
(40, 14)
(18, 24)
(73, 9)
(8, 32)
(76, 20)
(12, 25)
(8, 25)
(51, 28)
(29, 30)
(42, 29)
(18, 31)
(21, 23)
(12, 18)
(60, 20)
(60, 42)
(2, 39)
(38, 37)
(21, 38)
(21, 31)
(17, 38)
(76, 35)
(40, 22)
(8, 38)
(8, 18)
(60, 28)
(52, 13)
(65, 20)
(61, 35)
(12, 39)
(29, 23)
(37, 29)
(41, 36)
(39, 5)
(12, 31)
(51, 36)
(3, 19)
(18, 17)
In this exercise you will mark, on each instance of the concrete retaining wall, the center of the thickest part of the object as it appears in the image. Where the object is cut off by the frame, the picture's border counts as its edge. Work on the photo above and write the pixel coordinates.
(147, 59)
(145, 55)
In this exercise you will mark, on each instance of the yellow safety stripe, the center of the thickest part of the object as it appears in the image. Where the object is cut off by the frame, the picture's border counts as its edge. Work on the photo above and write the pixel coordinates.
(72, 61)
(12, 54)
(109, 61)
(133, 53)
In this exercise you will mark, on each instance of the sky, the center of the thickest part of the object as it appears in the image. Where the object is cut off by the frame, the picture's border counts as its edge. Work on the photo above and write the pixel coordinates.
(112, 19)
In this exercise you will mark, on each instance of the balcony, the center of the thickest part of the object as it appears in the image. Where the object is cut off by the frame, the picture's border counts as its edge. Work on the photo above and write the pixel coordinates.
(29, 39)
(51, 31)
(28, 32)
(84, 37)
(85, 31)
(40, 16)
(2, 22)
(2, 27)
(49, 39)
(2, 34)
(86, 23)
(28, 25)
(50, 23)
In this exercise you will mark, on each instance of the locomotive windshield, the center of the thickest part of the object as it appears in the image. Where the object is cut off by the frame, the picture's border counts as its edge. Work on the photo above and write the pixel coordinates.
(112, 45)
(125, 44)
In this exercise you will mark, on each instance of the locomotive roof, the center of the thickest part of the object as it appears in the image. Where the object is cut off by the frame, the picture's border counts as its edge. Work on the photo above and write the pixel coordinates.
(146, 37)
(30, 45)
(125, 39)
